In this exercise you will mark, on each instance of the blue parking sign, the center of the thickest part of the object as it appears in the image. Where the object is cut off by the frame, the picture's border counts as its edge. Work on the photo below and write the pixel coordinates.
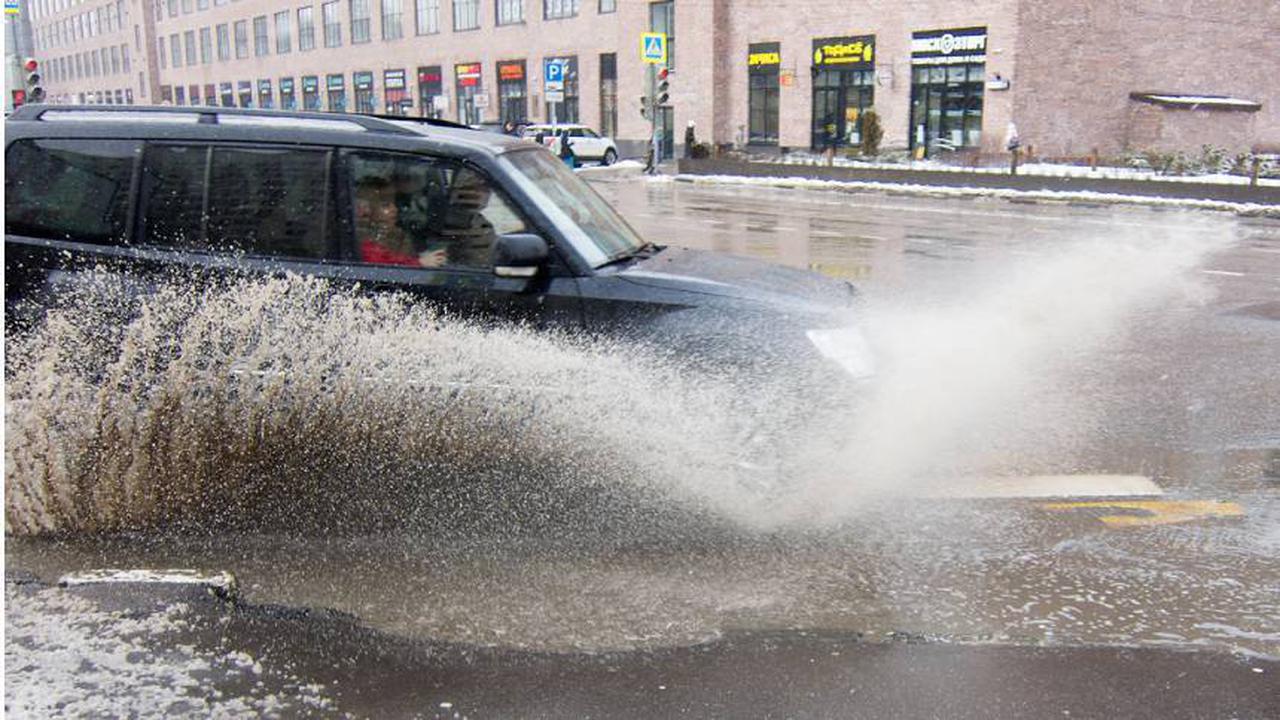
(554, 71)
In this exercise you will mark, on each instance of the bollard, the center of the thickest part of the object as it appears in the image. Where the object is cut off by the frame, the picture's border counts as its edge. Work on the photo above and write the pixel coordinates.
(1254, 170)
(1093, 160)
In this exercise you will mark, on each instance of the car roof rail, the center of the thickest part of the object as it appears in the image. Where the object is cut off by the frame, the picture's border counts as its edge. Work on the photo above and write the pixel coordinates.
(210, 115)
(434, 122)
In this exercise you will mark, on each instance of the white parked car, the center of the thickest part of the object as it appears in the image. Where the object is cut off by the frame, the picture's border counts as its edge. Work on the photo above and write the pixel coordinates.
(584, 141)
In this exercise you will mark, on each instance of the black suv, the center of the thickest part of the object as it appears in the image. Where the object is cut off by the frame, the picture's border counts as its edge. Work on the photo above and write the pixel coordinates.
(484, 226)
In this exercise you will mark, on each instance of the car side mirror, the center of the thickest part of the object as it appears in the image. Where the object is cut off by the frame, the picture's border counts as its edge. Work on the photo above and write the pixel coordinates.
(519, 257)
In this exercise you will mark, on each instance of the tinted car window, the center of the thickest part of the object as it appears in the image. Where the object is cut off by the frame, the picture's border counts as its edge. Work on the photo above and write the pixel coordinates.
(426, 212)
(270, 201)
(261, 201)
(69, 189)
(173, 188)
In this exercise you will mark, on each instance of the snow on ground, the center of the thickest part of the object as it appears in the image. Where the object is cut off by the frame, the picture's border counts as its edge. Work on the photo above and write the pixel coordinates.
(1084, 196)
(64, 657)
(1036, 169)
(622, 166)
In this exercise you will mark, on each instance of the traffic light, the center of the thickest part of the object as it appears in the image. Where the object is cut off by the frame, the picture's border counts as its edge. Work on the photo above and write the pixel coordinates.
(35, 91)
(660, 97)
(644, 106)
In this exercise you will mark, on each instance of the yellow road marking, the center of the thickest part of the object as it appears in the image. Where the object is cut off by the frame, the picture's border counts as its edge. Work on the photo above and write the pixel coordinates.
(1154, 512)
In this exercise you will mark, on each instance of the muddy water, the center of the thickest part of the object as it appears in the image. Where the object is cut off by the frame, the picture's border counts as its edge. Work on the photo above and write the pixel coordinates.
(661, 549)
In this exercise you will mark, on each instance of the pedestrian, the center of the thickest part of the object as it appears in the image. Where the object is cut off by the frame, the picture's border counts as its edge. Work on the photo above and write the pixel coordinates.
(690, 139)
(566, 152)
(508, 128)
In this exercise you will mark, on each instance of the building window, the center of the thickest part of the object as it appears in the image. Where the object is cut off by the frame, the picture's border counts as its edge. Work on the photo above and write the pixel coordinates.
(360, 21)
(565, 111)
(337, 89)
(513, 106)
(662, 19)
(392, 19)
(189, 38)
(162, 56)
(466, 14)
(608, 6)
(430, 87)
(609, 94)
(763, 61)
(261, 38)
(284, 43)
(206, 45)
(468, 87)
(427, 16)
(224, 42)
(553, 9)
(843, 88)
(947, 82)
(202, 4)
(124, 57)
(115, 60)
(332, 26)
(242, 38)
(510, 12)
(175, 50)
(306, 29)
(311, 93)
(363, 84)
(288, 100)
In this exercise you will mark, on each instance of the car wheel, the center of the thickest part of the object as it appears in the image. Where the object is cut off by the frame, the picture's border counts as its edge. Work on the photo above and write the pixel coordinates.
(610, 157)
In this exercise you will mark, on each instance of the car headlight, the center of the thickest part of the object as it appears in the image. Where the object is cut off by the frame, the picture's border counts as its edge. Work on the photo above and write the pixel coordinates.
(847, 348)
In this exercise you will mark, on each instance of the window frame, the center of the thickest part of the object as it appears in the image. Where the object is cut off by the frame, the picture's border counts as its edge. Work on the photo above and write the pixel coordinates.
(463, 11)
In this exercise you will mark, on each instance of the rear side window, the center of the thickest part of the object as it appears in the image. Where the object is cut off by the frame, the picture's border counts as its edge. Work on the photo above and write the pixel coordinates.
(69, 189)
(267, 201)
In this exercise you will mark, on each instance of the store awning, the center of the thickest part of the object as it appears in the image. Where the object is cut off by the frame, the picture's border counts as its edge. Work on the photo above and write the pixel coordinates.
(1196, 102)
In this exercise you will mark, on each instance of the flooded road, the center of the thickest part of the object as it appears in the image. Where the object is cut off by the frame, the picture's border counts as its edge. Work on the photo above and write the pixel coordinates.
(1183, 390)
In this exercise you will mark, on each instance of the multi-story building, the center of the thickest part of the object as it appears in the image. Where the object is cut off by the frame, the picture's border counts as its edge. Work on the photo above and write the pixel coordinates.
(90, 50)
(1073, 77)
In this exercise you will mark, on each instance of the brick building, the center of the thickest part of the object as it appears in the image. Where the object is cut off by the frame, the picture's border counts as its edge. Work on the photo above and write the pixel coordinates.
(1073, 76)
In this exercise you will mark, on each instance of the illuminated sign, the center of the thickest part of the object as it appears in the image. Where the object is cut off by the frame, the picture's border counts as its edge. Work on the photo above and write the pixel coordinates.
(852, 52)
(468, 74)
(511, 71)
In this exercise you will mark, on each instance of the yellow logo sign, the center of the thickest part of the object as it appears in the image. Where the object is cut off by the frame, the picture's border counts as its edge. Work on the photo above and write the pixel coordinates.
(764, 58)
(841, 53)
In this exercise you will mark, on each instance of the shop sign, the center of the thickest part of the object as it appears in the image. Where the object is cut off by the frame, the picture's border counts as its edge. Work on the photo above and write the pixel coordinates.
(764, 56)
(362, 80)
(264, 86)
(310, 83)
(429, 75)
(468, 74)
(511, 71)
(336, 82)
(393, 79)
(286, 85)
(225, 88)
(245, 86)
(854, 52)
(949, 47)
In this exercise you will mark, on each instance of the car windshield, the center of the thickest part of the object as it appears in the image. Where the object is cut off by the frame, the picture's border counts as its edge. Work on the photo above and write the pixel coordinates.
(600, 232)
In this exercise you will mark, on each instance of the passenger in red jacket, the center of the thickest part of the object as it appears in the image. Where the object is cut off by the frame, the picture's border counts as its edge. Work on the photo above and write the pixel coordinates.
(382, 240)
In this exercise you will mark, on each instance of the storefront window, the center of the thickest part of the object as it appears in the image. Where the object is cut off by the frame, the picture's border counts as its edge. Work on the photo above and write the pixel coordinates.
(512, 95)
(264, 94)
(337, 88)
(288, 100)
(431, 92)
(210, 95)
(244, 89)
(311, 93)
(467, 78)
(947, 75)
(843, 89)
(228, 94)
(565, 111)
(763, 60)
(396, 89)
(363, 82)
(609, 94)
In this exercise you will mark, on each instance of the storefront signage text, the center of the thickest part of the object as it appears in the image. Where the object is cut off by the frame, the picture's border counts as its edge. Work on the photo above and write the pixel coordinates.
(853, 52)
(468, 74)
(949, 47)
(511, 71)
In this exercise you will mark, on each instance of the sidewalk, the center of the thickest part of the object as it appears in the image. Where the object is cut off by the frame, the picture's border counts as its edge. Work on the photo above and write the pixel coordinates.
(964, 178)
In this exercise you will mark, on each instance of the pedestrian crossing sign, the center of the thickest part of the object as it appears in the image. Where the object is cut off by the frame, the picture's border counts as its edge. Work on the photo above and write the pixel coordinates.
(653, 48)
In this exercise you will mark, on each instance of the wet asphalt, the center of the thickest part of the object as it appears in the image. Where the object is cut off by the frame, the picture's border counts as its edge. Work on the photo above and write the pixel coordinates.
(965, 607)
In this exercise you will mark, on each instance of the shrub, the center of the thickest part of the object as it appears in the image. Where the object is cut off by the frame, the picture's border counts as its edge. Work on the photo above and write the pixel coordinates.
(872, 133)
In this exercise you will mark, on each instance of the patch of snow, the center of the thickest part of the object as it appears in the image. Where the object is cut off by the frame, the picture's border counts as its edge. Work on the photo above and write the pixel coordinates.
(223, 581)
(1203, 100)
(1084, 196)
(1037, 169)
(66, 658)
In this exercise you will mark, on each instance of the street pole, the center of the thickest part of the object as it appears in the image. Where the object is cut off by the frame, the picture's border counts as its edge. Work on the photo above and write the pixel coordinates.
(653, 114)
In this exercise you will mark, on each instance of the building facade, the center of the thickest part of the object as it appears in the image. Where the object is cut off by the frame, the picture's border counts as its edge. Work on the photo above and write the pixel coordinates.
(945, 78)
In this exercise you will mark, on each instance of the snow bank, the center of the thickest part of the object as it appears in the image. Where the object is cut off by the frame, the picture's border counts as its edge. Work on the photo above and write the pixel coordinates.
(1082, 196)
